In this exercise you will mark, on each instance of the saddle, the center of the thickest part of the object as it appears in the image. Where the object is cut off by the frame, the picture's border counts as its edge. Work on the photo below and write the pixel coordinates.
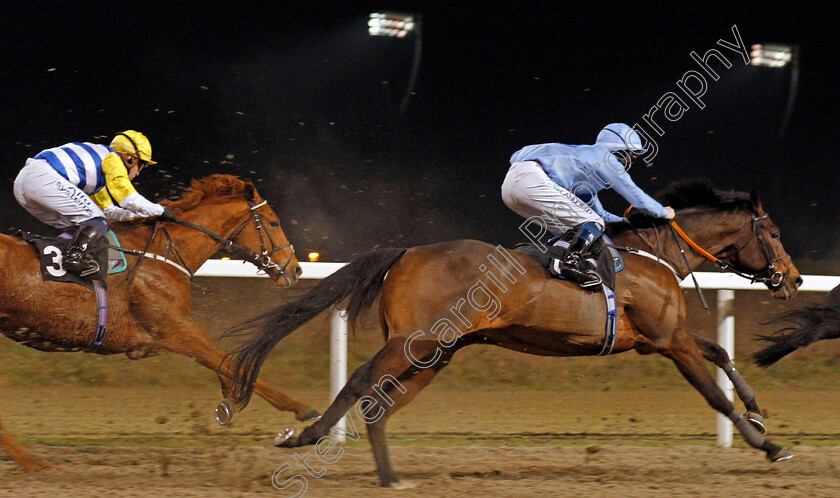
(602, 257)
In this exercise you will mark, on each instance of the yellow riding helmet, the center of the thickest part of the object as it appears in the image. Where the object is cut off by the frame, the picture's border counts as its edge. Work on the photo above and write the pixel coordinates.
(133, 143)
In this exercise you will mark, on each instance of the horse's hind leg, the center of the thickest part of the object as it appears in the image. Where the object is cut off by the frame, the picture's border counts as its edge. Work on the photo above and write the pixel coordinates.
(686, 355)
(18, 453)
(407, 387)
(713, 352)
(390, 360)
(382, 385)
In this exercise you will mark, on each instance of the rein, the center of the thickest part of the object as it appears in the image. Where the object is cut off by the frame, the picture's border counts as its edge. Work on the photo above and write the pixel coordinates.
(769, 275)
(262, 260)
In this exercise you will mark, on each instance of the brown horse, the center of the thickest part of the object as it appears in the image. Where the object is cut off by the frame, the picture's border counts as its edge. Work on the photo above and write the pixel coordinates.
(439, 298)
(150, 312)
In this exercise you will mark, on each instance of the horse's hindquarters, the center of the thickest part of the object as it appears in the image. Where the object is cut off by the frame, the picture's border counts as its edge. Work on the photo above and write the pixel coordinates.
(457, 289)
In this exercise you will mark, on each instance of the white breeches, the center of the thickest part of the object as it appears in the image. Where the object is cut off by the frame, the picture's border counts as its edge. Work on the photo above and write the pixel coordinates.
(51, 198)
(529, 192)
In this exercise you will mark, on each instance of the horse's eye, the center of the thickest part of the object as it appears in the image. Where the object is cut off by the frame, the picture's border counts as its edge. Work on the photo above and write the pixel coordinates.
(275, 224)
(774, 235)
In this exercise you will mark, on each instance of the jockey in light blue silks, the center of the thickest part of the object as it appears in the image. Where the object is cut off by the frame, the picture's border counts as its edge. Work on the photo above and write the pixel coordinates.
(560, 183)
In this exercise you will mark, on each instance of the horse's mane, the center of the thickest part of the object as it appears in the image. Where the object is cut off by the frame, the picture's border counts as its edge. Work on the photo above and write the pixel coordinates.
(686, 194)
(217, 185)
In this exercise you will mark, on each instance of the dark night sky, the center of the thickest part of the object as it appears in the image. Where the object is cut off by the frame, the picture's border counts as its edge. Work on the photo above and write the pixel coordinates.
(305, 103)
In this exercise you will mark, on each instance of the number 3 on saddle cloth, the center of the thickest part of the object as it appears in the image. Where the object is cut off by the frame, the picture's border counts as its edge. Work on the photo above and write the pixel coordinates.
(602, 257)
(51, 252)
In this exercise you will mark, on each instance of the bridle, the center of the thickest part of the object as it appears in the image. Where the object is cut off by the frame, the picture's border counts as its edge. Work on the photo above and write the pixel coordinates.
(768, 275)
(262, 260)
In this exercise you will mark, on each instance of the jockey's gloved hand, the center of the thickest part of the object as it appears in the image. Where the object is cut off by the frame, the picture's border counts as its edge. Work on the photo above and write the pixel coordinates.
(166, 216)
(639, 218)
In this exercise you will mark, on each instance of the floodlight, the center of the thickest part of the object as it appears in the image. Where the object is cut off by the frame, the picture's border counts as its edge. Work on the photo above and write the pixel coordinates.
(393, 24)
(771, 55)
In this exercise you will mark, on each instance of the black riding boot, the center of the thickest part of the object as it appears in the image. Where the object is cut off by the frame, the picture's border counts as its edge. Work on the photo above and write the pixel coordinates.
(572, 264)
(76, 259)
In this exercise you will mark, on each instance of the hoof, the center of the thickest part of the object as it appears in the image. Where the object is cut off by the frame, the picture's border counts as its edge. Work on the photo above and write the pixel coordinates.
(781, 455)
(403, 485)
(756, 420)
(282, 439)
(224, 412)
(310, 415)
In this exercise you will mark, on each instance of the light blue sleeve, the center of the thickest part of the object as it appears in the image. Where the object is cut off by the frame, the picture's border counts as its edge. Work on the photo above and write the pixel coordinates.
(527, 153)
(637, 197)
(596, 205)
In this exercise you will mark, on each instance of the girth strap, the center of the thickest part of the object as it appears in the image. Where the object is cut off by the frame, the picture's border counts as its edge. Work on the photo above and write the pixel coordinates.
(101, 315)
(612, 321)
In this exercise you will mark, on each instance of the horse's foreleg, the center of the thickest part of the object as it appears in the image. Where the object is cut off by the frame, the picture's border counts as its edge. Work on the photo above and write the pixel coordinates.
(193, 342)
(686, 355)
(18, 453)
(284, 402)
(714, 353)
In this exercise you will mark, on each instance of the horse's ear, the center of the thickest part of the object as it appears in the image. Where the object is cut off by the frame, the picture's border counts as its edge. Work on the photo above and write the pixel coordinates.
(755, 202)
(250, 191)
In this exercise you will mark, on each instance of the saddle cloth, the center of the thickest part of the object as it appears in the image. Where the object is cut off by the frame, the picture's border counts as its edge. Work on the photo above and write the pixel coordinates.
(51, 251)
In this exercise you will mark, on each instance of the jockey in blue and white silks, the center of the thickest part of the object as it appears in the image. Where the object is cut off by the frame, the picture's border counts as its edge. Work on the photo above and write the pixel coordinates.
(559, 183)
(86, 184)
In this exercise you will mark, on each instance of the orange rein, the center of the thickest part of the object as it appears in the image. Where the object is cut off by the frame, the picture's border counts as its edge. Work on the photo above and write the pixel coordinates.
(693, 244)
(685, 237)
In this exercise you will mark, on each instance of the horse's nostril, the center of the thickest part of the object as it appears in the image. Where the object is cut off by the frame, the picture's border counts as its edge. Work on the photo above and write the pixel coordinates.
(798, 282)
(299, 271)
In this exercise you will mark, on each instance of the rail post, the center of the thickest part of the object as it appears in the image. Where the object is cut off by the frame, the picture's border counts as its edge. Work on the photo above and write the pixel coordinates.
(726, 339)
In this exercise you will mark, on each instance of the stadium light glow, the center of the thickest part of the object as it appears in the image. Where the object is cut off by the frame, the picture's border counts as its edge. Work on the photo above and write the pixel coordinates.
(771, 55)
(393, 24)
(399, 25)
(779, 55)
(313, 256)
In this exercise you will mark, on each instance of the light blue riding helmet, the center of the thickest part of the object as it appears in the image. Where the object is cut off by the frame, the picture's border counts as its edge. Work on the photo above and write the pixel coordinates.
(620, 136)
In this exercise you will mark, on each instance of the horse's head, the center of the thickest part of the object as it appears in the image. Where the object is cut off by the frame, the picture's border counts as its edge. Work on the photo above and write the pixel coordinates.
(735, 232)
(246, 220)
(763, 254)
(264, 235)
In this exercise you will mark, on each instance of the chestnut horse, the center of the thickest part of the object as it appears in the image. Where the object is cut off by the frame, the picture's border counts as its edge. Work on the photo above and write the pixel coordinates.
(150, 312)
(439, 298)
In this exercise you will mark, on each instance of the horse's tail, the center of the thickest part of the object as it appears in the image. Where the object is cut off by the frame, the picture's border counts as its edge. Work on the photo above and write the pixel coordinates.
(360, 280)
(806, 326)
